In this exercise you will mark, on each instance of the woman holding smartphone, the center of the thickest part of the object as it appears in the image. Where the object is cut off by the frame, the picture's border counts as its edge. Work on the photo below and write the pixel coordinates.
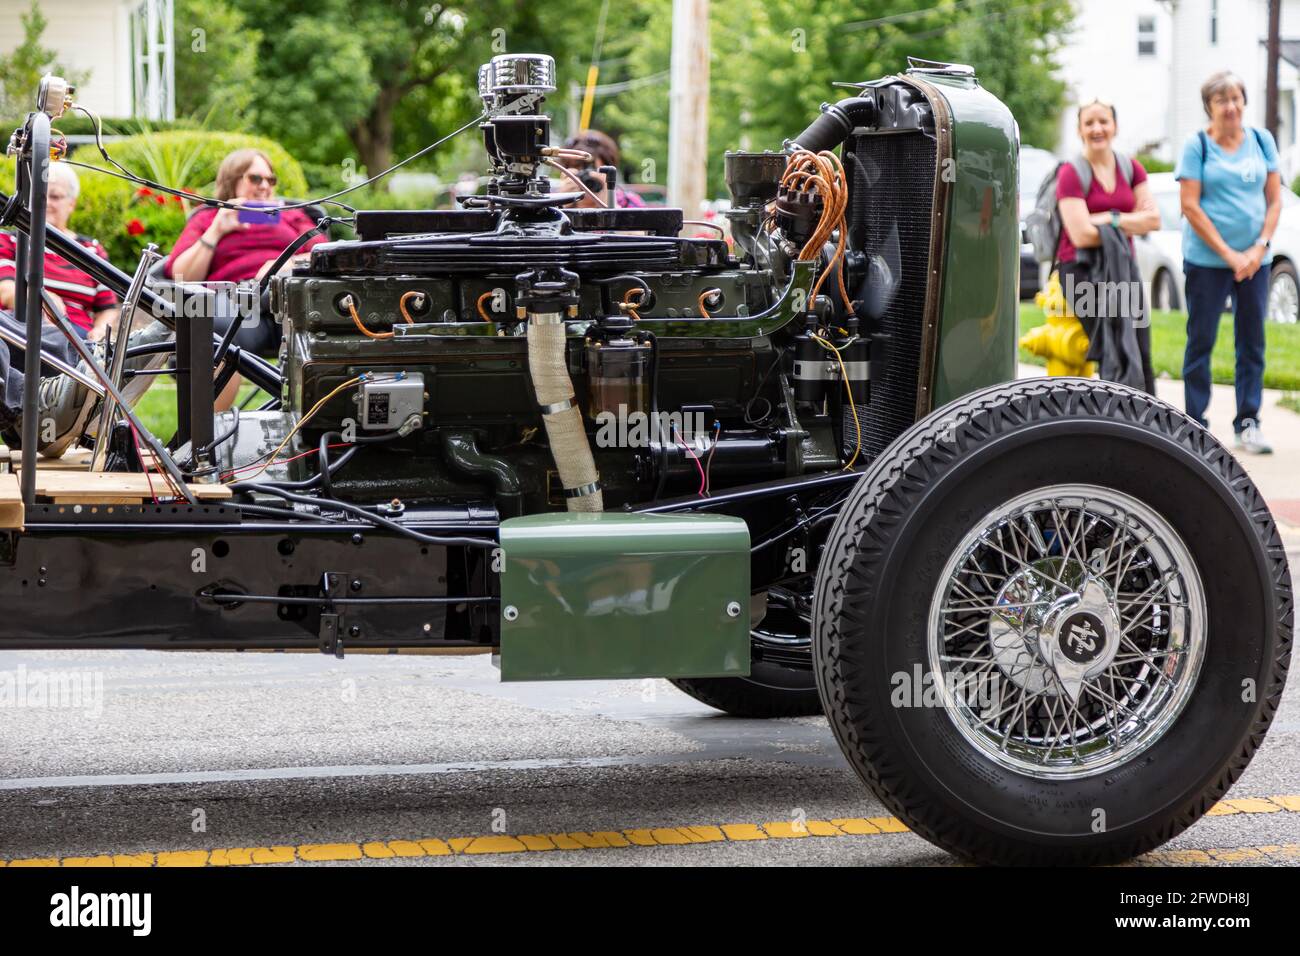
(234, 245)
(216, 246)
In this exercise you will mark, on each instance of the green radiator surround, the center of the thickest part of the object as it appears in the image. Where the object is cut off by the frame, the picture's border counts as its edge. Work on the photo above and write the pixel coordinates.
(613, 595)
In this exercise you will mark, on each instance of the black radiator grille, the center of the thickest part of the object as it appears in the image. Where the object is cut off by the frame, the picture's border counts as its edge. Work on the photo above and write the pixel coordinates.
(892, 184)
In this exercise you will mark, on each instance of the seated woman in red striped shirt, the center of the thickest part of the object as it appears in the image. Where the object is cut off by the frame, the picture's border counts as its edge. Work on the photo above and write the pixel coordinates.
(90, 306)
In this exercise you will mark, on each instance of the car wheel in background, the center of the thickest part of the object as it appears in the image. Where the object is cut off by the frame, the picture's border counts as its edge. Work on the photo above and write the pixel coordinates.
(1164, 291)
(1283, 292)
(772, 688)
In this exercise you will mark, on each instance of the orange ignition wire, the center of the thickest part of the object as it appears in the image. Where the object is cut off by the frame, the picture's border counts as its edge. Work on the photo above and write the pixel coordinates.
(631, 306)
(824, 173)
(361, 326)
(401, 305)
(706, 294)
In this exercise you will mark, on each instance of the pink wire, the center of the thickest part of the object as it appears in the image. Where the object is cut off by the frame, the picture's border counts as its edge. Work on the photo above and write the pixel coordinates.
(698, 466)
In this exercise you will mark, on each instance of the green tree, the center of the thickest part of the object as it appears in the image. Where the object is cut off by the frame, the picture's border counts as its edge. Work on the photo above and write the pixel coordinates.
(357, 81)
(216, 62)
(352, 85)
(772, 65)
(21, 70)
(1014, 47)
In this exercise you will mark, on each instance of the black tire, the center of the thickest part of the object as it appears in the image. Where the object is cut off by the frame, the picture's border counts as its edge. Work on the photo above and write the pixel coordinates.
(887, 554)
(771, 689)
(1164, 292)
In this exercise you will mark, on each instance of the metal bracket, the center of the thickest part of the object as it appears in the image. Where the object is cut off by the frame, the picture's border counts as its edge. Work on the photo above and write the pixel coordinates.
(332, 617)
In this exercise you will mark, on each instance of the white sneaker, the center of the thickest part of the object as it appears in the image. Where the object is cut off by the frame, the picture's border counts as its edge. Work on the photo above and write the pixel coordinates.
(1251, 439)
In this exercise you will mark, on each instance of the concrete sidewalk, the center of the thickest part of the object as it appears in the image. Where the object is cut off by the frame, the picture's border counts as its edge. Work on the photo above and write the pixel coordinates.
(1277, 475)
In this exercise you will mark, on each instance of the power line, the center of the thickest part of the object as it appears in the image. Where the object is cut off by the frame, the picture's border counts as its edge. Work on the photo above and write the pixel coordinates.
(610, 89)
(911, 15)
(991, 15)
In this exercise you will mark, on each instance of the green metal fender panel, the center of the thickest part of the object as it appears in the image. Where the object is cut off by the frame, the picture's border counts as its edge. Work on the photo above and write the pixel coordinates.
(615, 595)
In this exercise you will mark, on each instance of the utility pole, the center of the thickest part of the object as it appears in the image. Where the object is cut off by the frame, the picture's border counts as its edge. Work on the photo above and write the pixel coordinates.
(1274, 52)
(688, 106)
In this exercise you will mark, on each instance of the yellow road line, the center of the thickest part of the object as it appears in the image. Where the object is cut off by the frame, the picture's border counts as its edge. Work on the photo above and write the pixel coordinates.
(1240, 854)
(639, 837)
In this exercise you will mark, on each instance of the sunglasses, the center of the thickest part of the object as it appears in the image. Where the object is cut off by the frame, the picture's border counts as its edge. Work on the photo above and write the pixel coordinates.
(257, 179)
(1097, 101)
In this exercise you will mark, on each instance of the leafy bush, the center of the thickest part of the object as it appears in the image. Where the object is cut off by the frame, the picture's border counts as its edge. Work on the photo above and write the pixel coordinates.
(1153, 165)
(151, 217)
(125, 218)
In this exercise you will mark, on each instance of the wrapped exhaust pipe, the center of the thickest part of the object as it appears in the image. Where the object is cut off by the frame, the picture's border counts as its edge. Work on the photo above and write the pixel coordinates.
(545, 297)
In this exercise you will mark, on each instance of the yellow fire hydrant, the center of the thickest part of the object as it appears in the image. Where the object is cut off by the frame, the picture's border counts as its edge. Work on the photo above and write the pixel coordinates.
(1061, 340)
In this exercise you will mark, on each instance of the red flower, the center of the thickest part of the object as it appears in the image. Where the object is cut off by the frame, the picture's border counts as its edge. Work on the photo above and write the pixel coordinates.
(144, 191)
(162, 200)
(134, 227)
(176, 199)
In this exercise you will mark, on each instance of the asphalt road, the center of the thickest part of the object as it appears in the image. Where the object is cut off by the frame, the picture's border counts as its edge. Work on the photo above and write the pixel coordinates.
(430, 760)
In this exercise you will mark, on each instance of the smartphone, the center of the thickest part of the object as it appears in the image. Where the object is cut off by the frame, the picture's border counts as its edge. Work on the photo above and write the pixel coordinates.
(260, 213)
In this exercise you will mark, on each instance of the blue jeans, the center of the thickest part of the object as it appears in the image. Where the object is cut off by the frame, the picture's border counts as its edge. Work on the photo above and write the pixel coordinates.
(1207, 289)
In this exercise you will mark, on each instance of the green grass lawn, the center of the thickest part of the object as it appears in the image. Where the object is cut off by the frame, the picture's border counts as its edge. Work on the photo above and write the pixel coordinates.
(158, 407)
(1169, 337)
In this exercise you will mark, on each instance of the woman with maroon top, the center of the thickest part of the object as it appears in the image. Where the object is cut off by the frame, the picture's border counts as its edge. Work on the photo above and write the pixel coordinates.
(1112, 198)
(216, 247)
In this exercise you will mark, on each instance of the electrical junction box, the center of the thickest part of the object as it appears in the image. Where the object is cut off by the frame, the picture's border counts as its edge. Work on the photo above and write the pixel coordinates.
(389, 399)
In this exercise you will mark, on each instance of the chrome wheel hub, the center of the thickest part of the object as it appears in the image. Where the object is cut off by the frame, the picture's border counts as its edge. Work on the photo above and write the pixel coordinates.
(1067, 631)
(1080, 635)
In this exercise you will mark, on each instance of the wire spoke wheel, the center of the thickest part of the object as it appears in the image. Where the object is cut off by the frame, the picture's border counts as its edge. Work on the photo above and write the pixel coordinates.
(1052, 624)
(1067, 631)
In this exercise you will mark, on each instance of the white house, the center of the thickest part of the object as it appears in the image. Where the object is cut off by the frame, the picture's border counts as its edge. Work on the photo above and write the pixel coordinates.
(1150, 57)
(125, 46)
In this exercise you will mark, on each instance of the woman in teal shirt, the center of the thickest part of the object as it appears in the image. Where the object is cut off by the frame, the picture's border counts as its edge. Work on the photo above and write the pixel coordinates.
(1231, 198)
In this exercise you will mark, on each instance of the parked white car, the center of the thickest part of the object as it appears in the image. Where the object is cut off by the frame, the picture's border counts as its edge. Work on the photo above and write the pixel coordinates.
(1035, 166)
(1160, 253)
